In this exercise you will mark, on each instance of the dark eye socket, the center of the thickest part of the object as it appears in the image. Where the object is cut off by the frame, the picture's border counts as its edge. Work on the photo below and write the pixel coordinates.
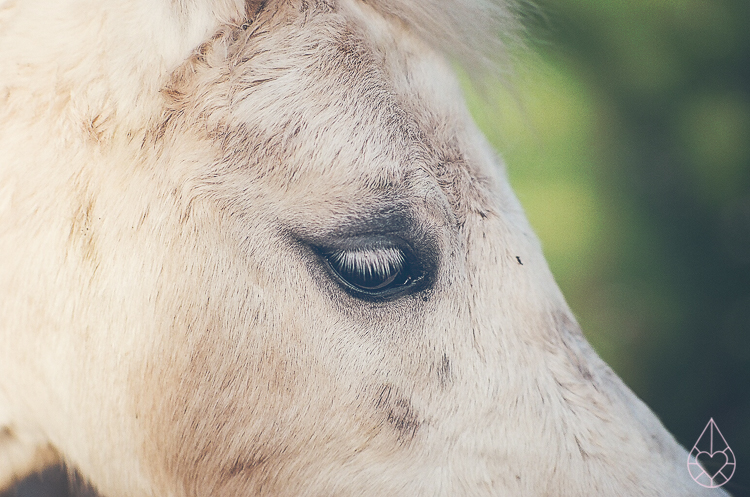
(374, 271)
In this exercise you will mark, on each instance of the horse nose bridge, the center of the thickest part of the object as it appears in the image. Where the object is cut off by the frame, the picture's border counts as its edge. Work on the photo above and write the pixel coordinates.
(506, 287)
(512, 334)
(525, 384)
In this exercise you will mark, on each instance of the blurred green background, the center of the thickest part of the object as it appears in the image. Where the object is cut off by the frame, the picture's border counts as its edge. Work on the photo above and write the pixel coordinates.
(626, 134)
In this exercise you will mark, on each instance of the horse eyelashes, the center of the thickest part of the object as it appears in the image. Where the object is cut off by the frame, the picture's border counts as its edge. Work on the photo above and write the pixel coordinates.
(373, 271)
(369, 263)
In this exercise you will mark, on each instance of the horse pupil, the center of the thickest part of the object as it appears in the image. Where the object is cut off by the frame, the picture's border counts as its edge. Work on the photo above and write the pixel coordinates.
(372, 280)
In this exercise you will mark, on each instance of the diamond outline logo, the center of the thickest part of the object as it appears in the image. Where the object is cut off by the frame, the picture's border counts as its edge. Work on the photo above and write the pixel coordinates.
(711, 443)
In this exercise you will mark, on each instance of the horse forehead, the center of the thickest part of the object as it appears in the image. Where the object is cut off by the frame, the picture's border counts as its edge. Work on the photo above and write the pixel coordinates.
(382, 118)
(335, 98)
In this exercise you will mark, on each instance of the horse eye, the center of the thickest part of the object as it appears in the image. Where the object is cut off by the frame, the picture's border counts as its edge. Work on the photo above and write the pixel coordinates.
(372, 271)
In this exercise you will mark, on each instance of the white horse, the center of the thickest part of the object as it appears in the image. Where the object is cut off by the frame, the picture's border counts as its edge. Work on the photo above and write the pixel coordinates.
(260, 248)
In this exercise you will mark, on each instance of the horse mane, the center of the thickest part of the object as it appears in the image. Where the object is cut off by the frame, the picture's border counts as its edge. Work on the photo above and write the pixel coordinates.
(476, 33)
